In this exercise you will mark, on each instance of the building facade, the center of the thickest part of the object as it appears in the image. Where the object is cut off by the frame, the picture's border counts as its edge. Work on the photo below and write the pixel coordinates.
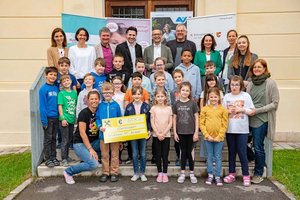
(273, 28)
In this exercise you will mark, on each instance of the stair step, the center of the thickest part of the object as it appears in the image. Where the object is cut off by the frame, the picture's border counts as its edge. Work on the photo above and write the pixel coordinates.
(151, 170)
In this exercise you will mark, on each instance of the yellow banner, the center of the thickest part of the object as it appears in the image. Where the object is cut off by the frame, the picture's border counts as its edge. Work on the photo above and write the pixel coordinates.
(125, 128)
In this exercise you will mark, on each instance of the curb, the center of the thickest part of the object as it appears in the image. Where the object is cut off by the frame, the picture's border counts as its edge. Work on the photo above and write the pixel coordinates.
(283, 189)
(19, 189)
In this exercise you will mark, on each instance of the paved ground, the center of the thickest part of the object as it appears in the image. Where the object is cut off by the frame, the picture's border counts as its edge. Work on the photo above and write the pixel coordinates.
(88, 188)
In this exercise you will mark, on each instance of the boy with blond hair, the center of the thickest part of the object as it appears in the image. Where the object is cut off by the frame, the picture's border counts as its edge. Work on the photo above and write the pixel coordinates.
(108, 109)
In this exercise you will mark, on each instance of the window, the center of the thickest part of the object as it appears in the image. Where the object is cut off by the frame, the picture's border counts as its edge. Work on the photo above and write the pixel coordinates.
(142, 8)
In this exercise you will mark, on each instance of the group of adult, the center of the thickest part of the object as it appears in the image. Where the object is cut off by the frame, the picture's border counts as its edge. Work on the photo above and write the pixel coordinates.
(237, 60)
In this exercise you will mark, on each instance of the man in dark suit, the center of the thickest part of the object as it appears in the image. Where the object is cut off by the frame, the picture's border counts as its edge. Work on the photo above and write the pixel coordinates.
(130, 49)
(157, 49)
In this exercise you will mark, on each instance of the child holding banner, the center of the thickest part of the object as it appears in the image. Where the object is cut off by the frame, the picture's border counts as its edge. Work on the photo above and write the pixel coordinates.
(139, 107)
(108, 109)
(161, 122)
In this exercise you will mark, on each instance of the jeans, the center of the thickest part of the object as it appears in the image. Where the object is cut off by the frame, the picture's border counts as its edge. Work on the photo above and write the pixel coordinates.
(139, 147)
(66, 139)
(237, 144)
(186, 146)
(89, 163)
(50, 139)
(259, 135)
(214, 152)
(162, 153)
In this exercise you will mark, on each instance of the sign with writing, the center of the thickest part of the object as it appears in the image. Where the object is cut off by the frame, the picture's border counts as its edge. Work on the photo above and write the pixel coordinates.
(125, 128)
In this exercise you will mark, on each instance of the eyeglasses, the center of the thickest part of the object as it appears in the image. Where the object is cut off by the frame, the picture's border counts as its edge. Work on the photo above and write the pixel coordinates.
(159, 65)
(106, 93)
(235, 85)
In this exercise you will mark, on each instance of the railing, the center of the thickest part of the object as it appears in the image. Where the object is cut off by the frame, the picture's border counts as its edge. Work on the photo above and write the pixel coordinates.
(37, 133)
(269, 155)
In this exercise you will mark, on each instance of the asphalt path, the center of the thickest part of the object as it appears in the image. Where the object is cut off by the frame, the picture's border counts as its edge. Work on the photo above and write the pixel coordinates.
(89, 188)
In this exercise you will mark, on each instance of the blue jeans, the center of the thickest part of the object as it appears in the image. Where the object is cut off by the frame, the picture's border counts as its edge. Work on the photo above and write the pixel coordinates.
(139, 147)
(214, 151)
(237, 144)
(259, 135)
(89, 163)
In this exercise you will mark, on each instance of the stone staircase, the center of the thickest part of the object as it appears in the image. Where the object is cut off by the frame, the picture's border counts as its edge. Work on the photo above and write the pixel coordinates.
(151, 170)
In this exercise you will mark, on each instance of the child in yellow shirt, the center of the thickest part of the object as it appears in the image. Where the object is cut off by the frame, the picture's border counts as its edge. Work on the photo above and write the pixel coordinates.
(213, 124)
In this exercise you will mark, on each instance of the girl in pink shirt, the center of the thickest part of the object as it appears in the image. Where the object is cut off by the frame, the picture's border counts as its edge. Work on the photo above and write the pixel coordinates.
(161, 122)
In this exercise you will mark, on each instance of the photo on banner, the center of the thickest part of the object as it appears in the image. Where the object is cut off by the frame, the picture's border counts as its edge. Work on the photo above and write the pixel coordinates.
(70, 24)
(118, 27)
(167, 22)
(217, 25)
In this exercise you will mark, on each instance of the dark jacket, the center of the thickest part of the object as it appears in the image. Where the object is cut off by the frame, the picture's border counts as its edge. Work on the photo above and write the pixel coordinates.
(187, 45)
(145, 109)
(123, 49)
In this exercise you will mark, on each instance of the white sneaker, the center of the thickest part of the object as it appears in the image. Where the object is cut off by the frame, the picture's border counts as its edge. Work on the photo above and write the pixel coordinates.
(193, 178)
(143, 178)
(69, 179)
(135, 177)
(181, 178)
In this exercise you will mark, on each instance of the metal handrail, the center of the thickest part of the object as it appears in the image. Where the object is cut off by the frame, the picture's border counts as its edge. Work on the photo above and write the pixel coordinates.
(37, 133)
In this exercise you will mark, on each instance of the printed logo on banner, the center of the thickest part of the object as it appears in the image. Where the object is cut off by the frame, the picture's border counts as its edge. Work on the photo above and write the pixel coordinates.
(181, 20)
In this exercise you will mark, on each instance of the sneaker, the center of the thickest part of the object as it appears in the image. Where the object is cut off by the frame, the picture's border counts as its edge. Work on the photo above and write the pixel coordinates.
(69, 159)
(193, 178)
(135, 177)
(246, 181)
(219, 181)
(159, 178)
(230, 178)
(69, 179)
(49, 163)
(64, 163)
(114, 178)
(165, 178)
(128, 161)
(177, 162)
(257, 179)
(144, 178)
(56, 162)
(209, 180)
(181, 178)
(103, 178)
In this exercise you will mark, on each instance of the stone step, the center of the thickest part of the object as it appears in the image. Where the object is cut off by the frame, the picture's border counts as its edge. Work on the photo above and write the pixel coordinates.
(172, 155)
(151, 170)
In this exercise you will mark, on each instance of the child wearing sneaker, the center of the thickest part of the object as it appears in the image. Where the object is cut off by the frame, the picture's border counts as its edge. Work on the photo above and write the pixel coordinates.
(185, 127)
(67, 100)
(213, 123)
(239, 105)
(139, 146)
(161, 122)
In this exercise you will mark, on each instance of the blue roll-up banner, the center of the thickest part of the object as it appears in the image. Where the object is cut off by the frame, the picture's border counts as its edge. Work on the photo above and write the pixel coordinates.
(71, 23)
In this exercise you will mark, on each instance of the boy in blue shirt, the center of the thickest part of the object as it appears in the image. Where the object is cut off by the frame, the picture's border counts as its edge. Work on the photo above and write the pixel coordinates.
(108, 109)
(49, 115)
(99, 74)
(63, 69)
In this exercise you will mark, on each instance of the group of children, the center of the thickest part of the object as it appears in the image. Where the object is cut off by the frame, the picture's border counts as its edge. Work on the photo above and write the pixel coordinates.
(168, 101)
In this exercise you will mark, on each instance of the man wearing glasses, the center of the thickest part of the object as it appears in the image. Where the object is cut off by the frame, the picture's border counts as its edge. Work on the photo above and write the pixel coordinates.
(157, 49)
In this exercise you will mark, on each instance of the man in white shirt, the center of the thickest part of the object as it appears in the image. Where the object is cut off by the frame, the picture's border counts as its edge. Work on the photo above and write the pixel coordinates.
(157, 49)
(130, 49)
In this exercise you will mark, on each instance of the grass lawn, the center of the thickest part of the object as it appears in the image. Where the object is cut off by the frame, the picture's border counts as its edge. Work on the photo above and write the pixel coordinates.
(14, 169)
(286, 169)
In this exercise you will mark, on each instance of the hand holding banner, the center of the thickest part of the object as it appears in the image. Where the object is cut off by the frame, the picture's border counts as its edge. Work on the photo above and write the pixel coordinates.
(125, 128)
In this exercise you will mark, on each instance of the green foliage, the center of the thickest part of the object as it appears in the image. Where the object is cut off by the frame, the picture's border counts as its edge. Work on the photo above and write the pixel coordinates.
(286, 169)
(14, 169)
